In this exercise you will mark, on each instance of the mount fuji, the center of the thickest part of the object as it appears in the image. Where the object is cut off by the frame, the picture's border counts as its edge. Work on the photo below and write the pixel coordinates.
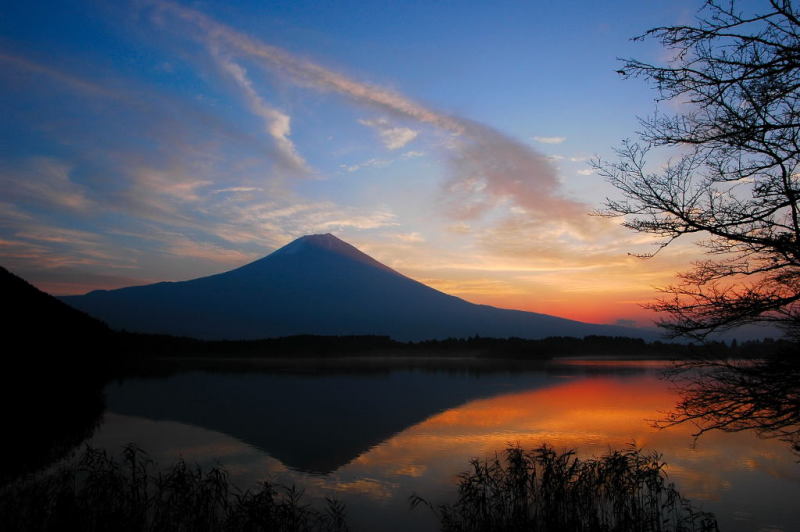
(317, 284)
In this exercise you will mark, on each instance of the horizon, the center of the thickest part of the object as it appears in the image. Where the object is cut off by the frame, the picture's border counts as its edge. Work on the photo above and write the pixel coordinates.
(160, 141)
(314, 238)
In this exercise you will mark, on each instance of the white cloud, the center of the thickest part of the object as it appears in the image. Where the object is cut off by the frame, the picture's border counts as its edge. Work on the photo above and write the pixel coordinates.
(393, 137)
(510, 170)
(586, 171)
(277, 123)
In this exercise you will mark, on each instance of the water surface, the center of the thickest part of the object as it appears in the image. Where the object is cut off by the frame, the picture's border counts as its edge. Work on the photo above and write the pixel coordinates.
(372, 436)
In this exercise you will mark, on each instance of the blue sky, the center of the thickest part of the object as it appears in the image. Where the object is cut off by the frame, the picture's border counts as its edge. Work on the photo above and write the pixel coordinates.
(151, 140)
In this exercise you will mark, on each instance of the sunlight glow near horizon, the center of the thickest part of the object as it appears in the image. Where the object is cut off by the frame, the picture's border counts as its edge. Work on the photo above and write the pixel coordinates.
(151, 141)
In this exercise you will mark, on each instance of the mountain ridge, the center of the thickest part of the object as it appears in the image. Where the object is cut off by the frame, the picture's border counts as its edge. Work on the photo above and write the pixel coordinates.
(317, 284)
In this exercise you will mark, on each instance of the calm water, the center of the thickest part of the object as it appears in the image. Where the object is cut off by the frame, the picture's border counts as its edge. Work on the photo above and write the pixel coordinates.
(372, 437)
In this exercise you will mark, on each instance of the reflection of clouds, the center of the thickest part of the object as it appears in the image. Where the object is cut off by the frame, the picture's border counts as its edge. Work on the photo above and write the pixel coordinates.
(696, 484)
(410, 470)
(589, 414)
(369, 487)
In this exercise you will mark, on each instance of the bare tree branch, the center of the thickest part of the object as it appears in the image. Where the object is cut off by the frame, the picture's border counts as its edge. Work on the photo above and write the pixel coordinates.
(736, 175)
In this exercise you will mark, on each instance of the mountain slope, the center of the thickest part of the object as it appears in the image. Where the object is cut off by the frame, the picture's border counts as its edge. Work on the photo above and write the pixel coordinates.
(54, 365)
(317, 284)
(36, 321)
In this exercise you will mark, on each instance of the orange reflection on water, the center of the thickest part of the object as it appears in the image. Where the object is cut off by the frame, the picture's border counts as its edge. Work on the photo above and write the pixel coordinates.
(577, 410)
(590, 415)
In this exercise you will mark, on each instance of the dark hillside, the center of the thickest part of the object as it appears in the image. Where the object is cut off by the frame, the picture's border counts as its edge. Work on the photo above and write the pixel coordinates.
(54, 367)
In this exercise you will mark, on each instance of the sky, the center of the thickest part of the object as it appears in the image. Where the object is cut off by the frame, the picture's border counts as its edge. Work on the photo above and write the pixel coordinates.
(153, 140)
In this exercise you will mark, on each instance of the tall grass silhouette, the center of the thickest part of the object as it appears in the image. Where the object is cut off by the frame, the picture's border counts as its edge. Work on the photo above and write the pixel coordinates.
(543, 490)
(98, 492)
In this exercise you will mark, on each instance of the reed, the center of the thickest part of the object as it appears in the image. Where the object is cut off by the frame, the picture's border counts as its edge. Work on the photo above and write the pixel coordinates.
(543, 491)
(98, 492)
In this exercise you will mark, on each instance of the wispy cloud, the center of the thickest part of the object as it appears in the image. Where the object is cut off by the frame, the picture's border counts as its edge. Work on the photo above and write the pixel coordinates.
(31, 242)
(505, 169)
(277, 123)
(48, 182)
(550, 140)
(19, 63)
(379, 162)
(411, 238)
(489, 168)
(369, 163)
(172, 184)
(304, 72)
(236, 190)
(393, 137)
(184, 246)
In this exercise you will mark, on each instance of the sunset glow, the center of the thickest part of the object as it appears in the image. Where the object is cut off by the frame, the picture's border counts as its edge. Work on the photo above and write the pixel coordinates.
(151, 141)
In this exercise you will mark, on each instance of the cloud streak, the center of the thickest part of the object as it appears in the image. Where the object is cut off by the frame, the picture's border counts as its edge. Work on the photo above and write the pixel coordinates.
(487, 168)
(22, 64)
(46, 182)
(393, 137)
(277, 123)
(550, 140)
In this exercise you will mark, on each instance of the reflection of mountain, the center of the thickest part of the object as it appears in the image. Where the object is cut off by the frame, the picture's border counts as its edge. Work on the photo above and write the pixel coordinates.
(317, 285)
(314, 423)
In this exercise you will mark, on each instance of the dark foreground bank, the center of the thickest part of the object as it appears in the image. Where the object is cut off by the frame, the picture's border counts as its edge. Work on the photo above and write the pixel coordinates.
(539, 490)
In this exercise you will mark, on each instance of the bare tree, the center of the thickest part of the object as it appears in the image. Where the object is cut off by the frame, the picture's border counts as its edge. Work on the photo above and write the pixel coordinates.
(734, 175)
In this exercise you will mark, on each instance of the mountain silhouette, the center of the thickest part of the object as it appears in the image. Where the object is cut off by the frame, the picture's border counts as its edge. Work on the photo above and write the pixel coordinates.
(31, 312)
(320, 285)
(54, 367)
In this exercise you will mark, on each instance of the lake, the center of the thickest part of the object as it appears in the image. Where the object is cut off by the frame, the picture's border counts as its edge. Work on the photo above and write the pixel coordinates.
(370, 434)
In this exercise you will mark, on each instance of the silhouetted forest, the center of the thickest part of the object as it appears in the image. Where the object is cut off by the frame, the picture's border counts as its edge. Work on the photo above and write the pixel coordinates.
(145, 345)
